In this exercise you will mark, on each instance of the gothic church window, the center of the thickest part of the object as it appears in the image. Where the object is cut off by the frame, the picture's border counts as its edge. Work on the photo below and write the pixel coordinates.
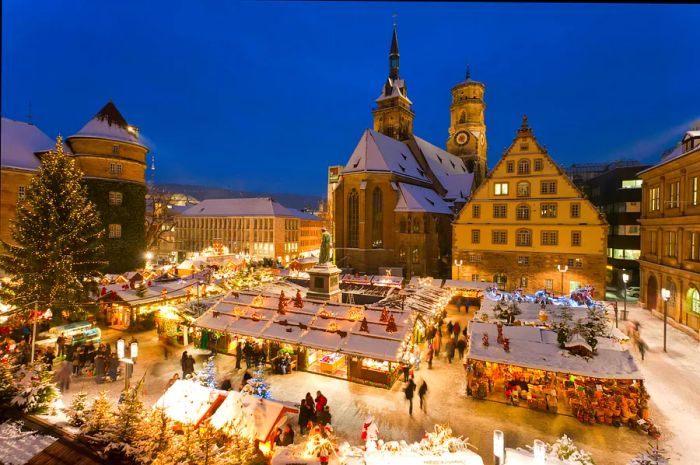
(353, 219)
(377, 223)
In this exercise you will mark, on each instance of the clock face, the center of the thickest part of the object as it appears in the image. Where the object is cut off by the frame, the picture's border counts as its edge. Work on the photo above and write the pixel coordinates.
(462, 138)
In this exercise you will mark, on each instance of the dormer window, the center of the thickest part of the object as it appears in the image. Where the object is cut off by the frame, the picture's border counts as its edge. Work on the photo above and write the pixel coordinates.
(402, 168)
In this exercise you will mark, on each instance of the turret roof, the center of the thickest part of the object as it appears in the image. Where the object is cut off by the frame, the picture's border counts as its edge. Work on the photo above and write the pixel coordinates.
(109, 124)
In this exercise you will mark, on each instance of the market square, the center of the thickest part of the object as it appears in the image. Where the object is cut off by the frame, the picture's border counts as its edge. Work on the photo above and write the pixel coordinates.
(248, 276)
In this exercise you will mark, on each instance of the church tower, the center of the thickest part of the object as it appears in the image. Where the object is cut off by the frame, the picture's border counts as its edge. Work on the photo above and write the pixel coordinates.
(393, 115)
(467, 133)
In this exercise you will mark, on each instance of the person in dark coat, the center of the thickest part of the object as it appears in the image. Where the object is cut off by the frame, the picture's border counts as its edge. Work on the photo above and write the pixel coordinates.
(287, 436)
(183, 363)
(450, 349)
(189, 366)
(405, 368)
(304, 415)
(422, 391)
(455, 329)
(449, 327)
(239, 354)
(99, 368)
(312, 405)
(410, 390)
(113, 365)
(324, 416)
(461, 347)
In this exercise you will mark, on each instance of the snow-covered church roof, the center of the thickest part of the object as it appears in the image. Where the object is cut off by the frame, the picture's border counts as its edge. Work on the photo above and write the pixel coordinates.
(414, 198)
(19, 144)
(449, 169)
(109, 124)
(379, 153)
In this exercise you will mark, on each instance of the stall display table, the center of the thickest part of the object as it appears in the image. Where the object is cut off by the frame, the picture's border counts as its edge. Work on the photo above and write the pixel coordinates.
(330, 363)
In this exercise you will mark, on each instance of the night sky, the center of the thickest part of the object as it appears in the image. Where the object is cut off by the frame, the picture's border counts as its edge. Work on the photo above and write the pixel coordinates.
(264, 96)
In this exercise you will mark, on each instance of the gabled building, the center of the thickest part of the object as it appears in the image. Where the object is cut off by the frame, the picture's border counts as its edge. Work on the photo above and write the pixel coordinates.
(670, 226)
(394, 200)
(526, 222)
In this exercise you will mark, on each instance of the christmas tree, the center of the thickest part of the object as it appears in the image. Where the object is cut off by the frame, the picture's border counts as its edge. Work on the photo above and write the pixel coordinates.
(364, 327)
(128, 420)
(282, 305)
(391, 325)
(653, 456)
(58, 233)
(565, 449)
(207, 376)
(8, 389)
(100, 420)
(36, 390)
(298, 301)
(385, 315)
(257, 385)
(153, 437)
(77, 412)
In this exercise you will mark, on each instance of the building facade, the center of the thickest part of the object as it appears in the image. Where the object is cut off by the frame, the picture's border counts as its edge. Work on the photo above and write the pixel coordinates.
(526, 222)
(670, 228)
(254, 227)
(112, 156)
(618, 194)
(394, 200)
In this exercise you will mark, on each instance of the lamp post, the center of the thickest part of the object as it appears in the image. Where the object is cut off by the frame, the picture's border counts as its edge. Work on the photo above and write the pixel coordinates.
(499, 453)
(562, 270)
(48, 315)
(458, 264)
(625, 279)
(665, 294)
(539, 452)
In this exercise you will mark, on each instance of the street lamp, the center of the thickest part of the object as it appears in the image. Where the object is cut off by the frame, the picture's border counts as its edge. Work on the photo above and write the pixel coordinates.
(625, 279)
(120, 348)
(562, 271)
(499, 453)
(665, 294)
(539, 452)
(458, 264)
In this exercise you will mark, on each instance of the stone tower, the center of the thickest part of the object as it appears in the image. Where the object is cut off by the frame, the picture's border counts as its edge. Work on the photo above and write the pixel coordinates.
(467, 133)
(393, 115)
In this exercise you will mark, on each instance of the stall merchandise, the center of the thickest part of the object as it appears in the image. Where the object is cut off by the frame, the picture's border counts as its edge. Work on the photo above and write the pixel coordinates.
(332, 362)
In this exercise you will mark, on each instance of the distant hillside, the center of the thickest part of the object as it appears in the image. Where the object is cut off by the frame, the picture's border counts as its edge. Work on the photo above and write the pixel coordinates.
(205, 192)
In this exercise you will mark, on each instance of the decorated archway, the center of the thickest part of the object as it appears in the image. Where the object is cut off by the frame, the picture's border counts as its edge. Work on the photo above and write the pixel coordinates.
(652, 292)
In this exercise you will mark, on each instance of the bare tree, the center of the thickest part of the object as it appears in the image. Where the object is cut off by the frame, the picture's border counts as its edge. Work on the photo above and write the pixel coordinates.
(160, 219)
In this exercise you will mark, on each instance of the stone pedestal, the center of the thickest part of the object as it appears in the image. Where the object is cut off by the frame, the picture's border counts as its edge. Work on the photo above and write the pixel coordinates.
(323, 283)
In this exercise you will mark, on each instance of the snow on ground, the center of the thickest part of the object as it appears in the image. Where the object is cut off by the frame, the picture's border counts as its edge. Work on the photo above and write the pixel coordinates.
(670, 379)
(17, 446)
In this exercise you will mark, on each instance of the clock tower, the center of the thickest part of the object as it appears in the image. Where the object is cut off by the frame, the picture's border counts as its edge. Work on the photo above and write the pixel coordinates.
(467, 133)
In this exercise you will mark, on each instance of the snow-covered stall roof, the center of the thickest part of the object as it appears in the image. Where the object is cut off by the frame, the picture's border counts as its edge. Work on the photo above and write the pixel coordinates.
(20, 141)
(152, 293)
(533, 347)
(188, 402)
(379, 153)
(254, 418)
(253, 206)
(414, 198)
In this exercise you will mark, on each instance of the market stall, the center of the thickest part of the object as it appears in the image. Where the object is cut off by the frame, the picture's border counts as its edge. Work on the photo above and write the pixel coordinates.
(189, 403)
(173, 325)
(527, 366)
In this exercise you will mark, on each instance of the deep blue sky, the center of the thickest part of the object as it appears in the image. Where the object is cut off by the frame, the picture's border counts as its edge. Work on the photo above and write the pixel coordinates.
(264, 96)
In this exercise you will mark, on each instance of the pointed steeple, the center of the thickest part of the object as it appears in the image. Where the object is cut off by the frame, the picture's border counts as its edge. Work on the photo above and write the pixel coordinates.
(394, 56)
(469, 74)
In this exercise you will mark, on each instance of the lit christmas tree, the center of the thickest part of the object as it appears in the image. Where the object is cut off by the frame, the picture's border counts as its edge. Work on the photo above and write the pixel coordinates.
(57, 232)
(257, 385)
(127, 421)
(298, 301)
(8, 389)
(100, 421)
(78, 410)
(564, 449)
(36, 390)
(207, 376)
(154, 438)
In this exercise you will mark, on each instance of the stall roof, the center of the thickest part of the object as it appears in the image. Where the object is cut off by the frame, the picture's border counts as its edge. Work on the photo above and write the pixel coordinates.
(188, 402)
(459, 284)
(532, 347)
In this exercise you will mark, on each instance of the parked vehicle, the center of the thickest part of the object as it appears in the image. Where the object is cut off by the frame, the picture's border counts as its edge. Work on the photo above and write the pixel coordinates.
(633, 291)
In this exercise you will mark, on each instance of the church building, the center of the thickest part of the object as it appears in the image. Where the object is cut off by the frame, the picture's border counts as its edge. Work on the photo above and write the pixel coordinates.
(394, 200)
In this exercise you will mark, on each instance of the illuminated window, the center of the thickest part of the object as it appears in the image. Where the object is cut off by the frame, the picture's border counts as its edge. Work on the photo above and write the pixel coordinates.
(654, 199)
(549, 238)
(115, 231)
(575, 210)
(21, 193)
(575, 238)
(674, 195)
(524, 189)
(476, 236)
(548, 284)
(548, 187)
(631, 183)
(115, 149)
(476, 258)
(523, 260)
(548, 210)
(476, 211)
(475, 277)
(115, 198)
(524, 166)
(522, 212)
(499, 237)
(501, 188)
(523, 238)
(500, 211)
(115, 168)
(377, 223)
(694, 300)
(671, 244)
(694, 190)
(415, 255)
(693, 251)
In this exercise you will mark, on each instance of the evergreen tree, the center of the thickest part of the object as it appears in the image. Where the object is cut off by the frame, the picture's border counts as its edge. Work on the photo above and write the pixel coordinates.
(36, 390)
(564, 449)
(257, 385)
(100, 420)
(128, 420)
(207, 376)
(78, 410)
(57, 231)
(154, 438)
(8, 387)
(653, 456)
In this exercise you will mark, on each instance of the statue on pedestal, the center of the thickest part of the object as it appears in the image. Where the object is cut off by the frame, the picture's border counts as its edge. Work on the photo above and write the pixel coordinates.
(325, 254)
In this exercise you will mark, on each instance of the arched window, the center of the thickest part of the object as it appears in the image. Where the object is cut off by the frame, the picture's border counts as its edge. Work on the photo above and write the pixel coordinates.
(672, 289)
(694, 300)
(402, 254)
(377, 236)
(522, 212)
(523, 189)
(462, 118)
(523, 237)
(353, 219)
(524, 166)
(416, 225)
(402, 225)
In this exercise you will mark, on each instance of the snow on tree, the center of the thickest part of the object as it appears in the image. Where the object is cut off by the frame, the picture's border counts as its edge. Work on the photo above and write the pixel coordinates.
(652, 456)
(100, 420)
(207, 376)
(57, 232)
(127, 421)
(8, 387)
(18, 446)
(564, 449)
(36, 390)
(257, 385)
(78, 410)
(154, 438)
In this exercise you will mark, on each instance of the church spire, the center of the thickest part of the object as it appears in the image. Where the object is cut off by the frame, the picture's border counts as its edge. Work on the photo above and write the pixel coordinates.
(394, 56)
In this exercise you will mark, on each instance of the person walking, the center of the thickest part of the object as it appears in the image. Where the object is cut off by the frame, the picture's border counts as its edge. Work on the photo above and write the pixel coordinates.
(113, 366)
(183, 363)
(304, 415)
(405, 368)
(450, 350)
(99, 368)
(422, 391)
(429, 357)
(239, 354)
(410, 390)
(324, 416)
(455, 331)
(60, 342)
(311, 405)
(461, 346)
(449, 327)
(321, 401)
(189, 366)
(436, 344)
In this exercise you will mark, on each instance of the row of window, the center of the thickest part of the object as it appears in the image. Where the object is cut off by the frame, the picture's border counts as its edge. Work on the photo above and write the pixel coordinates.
(522, 211)
(523, 188)
(524, 260)
(624, 254)
(523, 237)
(670, 246)
(673, 194)
(524, 164)
(624, 230)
